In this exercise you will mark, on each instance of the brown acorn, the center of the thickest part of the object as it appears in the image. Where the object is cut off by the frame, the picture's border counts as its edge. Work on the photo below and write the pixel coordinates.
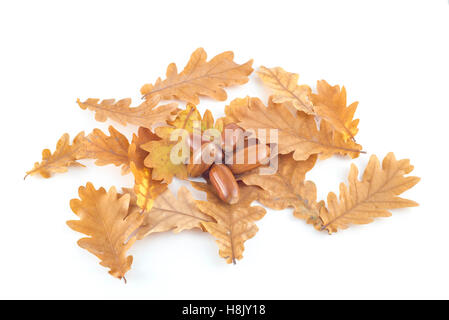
(202, 158)
(224, 183)
(231, 136)
(248, 158)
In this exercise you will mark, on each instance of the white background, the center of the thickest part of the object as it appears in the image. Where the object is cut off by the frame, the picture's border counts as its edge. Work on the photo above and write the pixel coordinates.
(392, 56)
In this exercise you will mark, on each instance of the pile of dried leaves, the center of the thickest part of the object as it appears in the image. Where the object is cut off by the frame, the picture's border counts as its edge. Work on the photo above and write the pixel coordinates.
(310, 126)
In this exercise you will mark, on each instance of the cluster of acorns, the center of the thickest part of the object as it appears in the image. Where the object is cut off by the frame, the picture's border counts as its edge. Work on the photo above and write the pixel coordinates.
(218, 162)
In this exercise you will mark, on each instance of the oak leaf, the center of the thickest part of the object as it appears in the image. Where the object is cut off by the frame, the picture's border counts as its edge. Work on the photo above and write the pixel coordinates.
(235, 223)
(208, 122)
(200, 77)
(159, 159)
(296, 133)
(330, 105)
(145, 188)
(64, 156)
(363, 200)
(286, 89)
(189, 119)
(328, 135)
(135, 153)
(105, 220)
(159, 151)
(171, 213)
(144, 115)
(106, 150)
(287, 188)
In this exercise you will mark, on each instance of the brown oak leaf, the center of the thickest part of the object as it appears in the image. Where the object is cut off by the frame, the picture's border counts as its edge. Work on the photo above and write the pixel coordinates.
(105, 220)
(171, 213)
(106, 150)
(144, 115)
(343, 147)
(363, 200)
(330, 105)
(187, 119)
(145, 188)
(160, 161)
(135, 153)
(65, 156)
(200, 77)
(159, 157)
(286, 89)
(296, 133)
(235, 223)
(287, 188)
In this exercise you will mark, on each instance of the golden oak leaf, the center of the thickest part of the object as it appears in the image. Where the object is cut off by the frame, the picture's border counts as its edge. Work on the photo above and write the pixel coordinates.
(65, 156)
(342, 147)
(145, 115)
(106, 150)
(135, 153)
(296, 133)
(330, 105)
(190, 120)
(286, 89)
(105, 220)
(208, 122)
(234, 222)
(200, 77)
(363, 200)
(159, 151)
(185, 119)
(287, 188)
(145, 188)
(159, 159)
(171, 213)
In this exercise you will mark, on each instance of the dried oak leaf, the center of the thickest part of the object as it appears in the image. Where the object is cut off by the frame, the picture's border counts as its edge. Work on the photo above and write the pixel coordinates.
(200, 77)
(171, 213)
(105, 220)
(287, 188)
(363, 200)
(135, 153)
(159, 151)
(208, 122)
(145, 115)
(189, 119)
(145, 188)
(65, 156)
(342, 147)
(159, 159)
(330, 105)
(234, 223)
(106, 150)
(286, 89)
(296, 133)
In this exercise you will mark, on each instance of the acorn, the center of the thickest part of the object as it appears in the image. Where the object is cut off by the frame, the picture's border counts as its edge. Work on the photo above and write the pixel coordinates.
(231, 136)
(224, 183)
(202, 158)
(248, 158)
